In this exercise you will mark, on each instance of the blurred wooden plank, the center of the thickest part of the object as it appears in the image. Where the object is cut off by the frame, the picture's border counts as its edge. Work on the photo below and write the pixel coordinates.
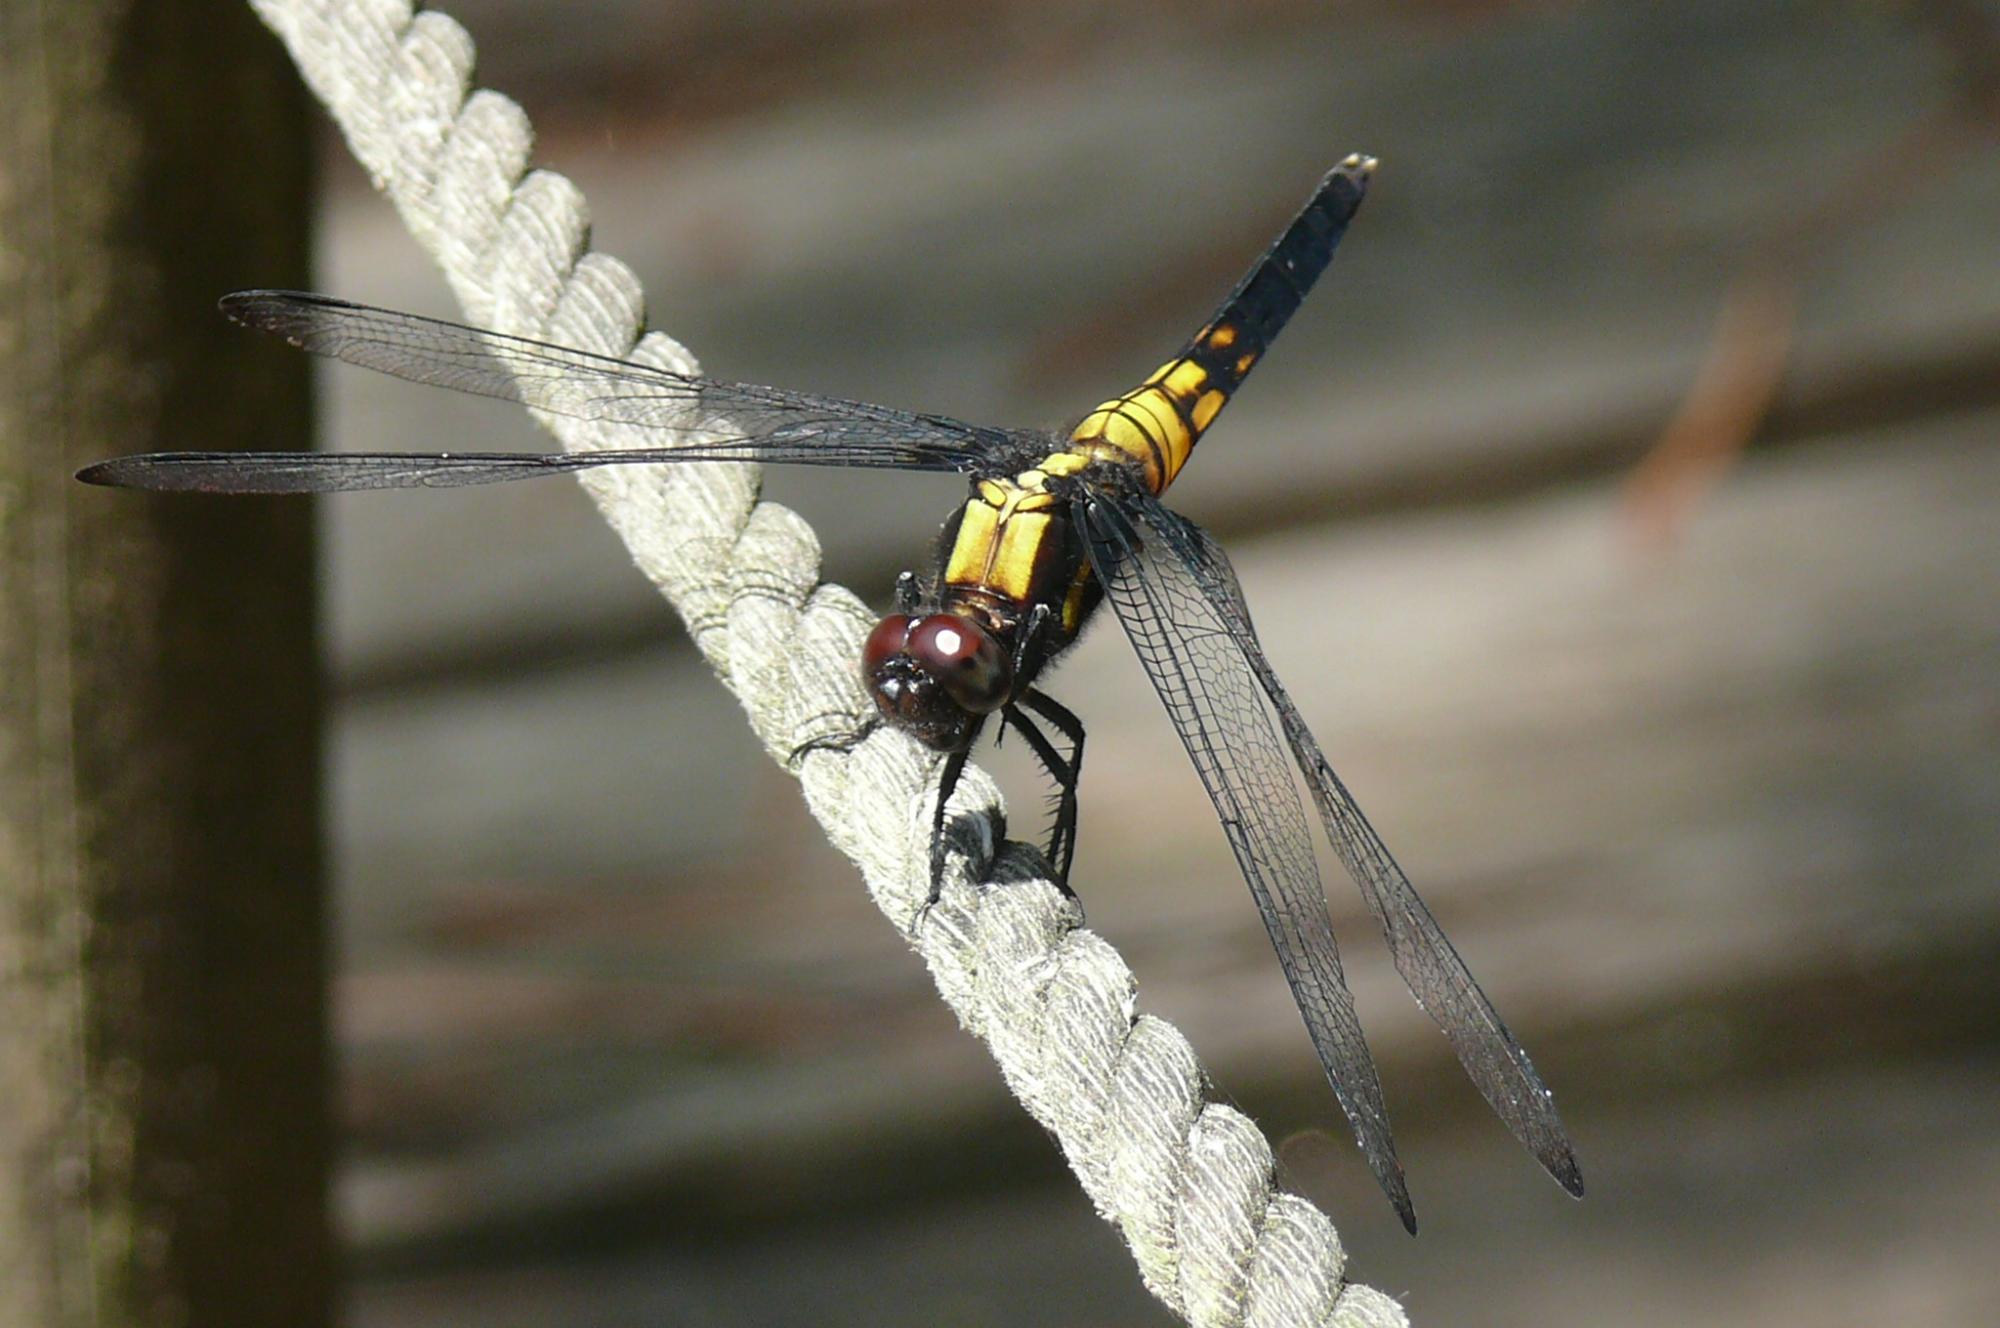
(1846, 1199)
(588, 774)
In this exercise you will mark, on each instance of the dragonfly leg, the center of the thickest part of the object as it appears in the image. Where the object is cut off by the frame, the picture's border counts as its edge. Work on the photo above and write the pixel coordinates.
(1030, 640)
(834, 742)
(1064, 769)
(954, 766)
(909, 592)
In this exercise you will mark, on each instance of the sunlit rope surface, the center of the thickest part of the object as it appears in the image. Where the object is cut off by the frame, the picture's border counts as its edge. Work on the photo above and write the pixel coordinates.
(1187, 1181)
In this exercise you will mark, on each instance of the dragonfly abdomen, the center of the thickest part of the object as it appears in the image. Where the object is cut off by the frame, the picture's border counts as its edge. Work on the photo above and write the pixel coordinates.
(1270, 293)
(1155, 426)
(1152, 428)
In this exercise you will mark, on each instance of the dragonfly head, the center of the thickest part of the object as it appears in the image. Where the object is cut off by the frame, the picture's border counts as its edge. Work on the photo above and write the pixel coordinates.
(935, 676)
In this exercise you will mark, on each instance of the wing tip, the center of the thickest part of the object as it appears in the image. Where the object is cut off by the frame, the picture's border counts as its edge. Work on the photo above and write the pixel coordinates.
(1562, 1166)
(184, 472)
(141, 471)
(1388, 1169)
(233, 305)
(269, 310)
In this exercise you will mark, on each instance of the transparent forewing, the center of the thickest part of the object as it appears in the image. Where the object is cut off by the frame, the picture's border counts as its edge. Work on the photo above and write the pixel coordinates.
(720, 421)
(1430, 966)
(1217, 707)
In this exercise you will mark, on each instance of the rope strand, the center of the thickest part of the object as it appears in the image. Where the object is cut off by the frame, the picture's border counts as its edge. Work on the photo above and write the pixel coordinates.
(1187, 1181)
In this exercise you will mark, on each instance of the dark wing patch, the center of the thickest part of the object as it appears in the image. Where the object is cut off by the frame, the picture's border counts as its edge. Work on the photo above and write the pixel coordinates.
(1217, 708)
(723, 421)
(1430, 966)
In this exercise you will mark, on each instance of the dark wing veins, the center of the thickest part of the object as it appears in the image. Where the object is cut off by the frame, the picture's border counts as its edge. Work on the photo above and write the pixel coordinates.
(719, 421)
(1191, 655)
(1430, 966)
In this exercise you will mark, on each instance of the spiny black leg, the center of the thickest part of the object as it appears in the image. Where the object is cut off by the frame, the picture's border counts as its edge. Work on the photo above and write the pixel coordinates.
(1062, 717)
(1062, 769)
(1067, 724)
(954, 766)
(1062, 837)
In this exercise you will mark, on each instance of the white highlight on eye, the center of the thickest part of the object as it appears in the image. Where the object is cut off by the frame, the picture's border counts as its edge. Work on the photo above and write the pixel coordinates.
(949, 641)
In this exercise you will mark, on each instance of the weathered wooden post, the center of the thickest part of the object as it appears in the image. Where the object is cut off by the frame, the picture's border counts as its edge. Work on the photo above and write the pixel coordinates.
(164, 1136)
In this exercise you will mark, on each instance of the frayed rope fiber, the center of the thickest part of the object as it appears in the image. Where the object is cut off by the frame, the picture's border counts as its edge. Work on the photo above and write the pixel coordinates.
(1186, 1180)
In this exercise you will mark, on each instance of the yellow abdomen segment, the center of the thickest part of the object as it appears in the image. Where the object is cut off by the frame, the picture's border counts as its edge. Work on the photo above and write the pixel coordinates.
(1157, 423)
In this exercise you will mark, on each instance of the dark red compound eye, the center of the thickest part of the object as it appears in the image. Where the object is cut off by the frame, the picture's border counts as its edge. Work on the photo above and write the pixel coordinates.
(964, 658)
(884, 644)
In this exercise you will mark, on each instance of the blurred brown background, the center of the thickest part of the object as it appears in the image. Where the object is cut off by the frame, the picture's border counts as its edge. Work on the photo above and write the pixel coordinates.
(1624, 511)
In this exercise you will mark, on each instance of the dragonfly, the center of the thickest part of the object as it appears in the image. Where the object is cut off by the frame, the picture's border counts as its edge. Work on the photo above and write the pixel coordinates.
(1057, 523)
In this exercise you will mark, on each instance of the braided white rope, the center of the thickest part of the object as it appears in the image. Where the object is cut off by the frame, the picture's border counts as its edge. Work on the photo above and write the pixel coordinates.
(1188, 1181)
